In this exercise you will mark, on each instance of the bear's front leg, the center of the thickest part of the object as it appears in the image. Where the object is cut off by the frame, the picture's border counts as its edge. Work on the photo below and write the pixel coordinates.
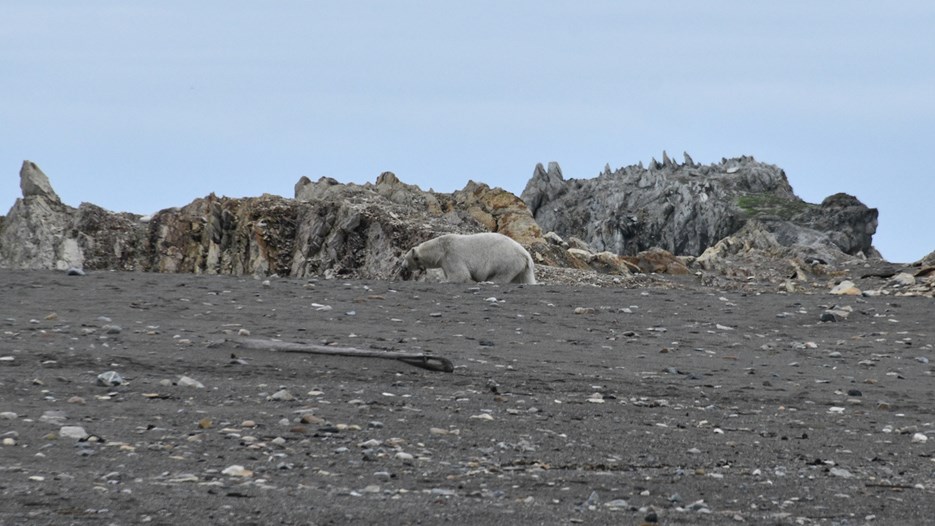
(457, 273)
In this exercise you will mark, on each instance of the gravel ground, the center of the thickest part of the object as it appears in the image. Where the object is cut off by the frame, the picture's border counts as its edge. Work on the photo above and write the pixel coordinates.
(568, 404)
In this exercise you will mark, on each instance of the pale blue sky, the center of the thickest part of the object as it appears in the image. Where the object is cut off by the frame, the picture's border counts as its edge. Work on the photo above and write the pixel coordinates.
(138, 106)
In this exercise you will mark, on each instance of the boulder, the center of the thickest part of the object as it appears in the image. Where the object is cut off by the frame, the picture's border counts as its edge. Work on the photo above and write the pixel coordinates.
(34, 183)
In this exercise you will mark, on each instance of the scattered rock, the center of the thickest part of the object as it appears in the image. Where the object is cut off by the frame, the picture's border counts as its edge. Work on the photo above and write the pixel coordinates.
(841, 472)
(185, 381)
(282, 395)
(110, 379)
(845, 288)
(237, 470)
(75, 432)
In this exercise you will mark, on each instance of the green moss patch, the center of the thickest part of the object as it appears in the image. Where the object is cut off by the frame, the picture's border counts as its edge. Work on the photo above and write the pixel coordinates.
(764, 204)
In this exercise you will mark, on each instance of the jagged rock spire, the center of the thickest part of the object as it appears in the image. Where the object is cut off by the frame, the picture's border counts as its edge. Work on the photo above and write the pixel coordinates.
(35, 183)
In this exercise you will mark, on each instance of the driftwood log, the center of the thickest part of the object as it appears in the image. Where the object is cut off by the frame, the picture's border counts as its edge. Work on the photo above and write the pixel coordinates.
(424, 361)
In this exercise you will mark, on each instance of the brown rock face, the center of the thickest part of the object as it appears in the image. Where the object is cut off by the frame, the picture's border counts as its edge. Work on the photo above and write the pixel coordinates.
(498, 211)
(329, 229)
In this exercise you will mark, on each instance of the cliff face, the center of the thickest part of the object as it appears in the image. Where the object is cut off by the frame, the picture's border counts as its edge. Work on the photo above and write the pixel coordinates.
(686, 208)
(329, 229)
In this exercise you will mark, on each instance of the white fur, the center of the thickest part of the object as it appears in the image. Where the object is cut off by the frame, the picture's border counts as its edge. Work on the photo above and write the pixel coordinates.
(474, 257)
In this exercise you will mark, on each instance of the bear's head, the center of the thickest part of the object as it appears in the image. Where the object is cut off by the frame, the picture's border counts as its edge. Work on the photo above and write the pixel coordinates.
(411, 260)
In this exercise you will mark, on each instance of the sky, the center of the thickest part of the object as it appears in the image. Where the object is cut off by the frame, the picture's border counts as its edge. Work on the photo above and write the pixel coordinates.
(140, 106)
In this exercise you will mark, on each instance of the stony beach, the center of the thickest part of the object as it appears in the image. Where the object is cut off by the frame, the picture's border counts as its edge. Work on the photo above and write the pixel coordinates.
(124, 399)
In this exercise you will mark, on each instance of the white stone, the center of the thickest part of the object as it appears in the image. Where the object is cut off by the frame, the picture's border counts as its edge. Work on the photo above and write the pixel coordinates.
(76, 432)
(190, 382)
(283, 395)
(904, 278)
(237, 470)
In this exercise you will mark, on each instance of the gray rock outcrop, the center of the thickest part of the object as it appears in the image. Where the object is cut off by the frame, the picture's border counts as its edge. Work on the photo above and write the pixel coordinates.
(687, 208)
(35, 231)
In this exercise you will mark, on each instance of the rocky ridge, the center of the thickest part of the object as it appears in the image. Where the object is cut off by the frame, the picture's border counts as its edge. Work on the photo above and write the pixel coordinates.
(333, 230)
(687, 208)
(329, 229)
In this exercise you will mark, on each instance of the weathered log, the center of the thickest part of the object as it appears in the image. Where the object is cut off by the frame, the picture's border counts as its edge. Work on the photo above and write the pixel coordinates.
(421, 360)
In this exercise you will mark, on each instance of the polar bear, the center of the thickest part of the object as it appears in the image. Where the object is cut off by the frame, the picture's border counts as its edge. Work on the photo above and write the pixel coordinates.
(474, 257)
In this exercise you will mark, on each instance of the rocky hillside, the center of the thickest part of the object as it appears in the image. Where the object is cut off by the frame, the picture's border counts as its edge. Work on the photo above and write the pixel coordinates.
(328, 229)
(687, 207)
(735, 224)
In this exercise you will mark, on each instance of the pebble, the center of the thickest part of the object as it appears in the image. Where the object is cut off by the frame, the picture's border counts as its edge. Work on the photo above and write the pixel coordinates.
(112, 329)
(237, 470)
(841, 472)
(53, 417)
(402, 455)
(596, 398)
(283, 395)
(617, 503)
(919, 438)
(110, 378)
(9, 441)
(593, 499)
(8, 415)
(75, 432)
(309, 418)
(185, 381)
